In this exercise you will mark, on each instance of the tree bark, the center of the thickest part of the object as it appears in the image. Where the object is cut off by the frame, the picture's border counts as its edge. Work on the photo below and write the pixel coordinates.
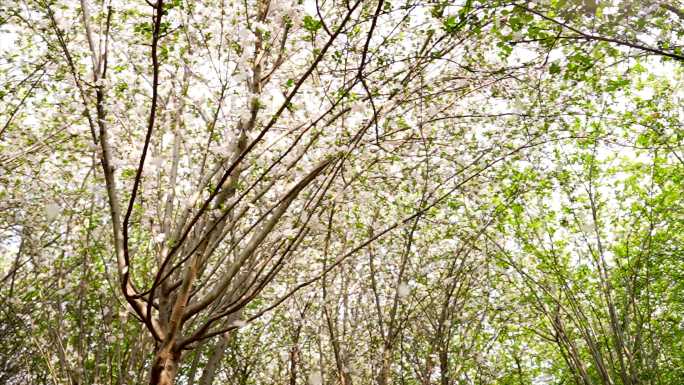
(217, 355)
(165, 366)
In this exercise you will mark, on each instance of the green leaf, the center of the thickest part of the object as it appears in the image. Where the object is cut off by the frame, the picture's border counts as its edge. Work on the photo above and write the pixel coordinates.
(450, 24)
(311, 24)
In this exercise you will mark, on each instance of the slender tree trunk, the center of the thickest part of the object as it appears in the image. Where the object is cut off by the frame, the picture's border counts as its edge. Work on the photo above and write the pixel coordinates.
(385, 373)
(445, 376)
(217, 355)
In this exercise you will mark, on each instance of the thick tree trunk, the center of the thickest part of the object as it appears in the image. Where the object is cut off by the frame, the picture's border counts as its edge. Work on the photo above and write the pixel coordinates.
(165, 366)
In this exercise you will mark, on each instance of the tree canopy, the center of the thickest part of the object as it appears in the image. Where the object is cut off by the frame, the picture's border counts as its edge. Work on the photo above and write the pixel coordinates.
(342, 192)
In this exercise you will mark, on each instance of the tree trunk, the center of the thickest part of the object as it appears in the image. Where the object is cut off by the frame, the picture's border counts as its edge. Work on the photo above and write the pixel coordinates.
(165, 366)
(444, 366)
(217, 355)
(384, 378)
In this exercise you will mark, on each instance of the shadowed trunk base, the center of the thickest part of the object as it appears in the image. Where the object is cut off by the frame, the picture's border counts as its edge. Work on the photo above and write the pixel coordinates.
(165, 367)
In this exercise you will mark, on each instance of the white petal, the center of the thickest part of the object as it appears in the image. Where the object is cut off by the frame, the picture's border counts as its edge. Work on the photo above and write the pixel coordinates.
(403, 290)
(52, 210)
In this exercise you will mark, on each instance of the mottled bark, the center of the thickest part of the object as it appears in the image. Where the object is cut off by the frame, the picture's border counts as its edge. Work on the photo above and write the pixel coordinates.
(165, 366)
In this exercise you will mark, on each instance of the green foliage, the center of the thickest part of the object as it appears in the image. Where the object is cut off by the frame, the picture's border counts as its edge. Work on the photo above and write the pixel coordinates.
(311, 24)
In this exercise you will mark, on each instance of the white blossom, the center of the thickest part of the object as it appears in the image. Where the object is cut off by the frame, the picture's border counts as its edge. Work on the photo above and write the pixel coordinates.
(403, 290)
(52, 210)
